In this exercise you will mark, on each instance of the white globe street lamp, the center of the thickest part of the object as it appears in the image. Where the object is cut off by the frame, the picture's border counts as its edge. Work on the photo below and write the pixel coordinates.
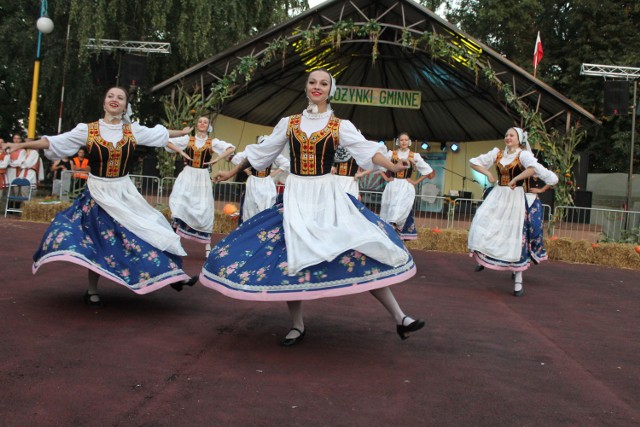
(45, 26)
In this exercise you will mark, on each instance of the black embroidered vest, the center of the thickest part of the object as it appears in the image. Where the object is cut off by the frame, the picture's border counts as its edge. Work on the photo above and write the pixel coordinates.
(313, 155)
(510, 171)
(348, 168)
(405, 173)
(107, 160)
(199, 156)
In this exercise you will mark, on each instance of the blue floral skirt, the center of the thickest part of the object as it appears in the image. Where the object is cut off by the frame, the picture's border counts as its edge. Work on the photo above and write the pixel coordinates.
(532, 243)
(251, 264)
(86, 235)
(183, 229)
(409, 231)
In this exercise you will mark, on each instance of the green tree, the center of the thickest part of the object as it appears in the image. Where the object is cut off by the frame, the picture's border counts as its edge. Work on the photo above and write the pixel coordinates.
(573, 32)
(196, 29)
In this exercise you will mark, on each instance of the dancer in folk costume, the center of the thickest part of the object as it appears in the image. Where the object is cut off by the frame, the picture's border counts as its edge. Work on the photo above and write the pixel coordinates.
(110, 228)
(399, 193)
(320, 242)
(347, 173)
(191, 200)
(506, 231)
(260, 189)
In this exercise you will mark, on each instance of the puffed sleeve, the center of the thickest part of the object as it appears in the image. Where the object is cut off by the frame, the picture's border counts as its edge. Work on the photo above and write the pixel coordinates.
(261, 156)
(486, 160)
(180, 141)
(67, 144)
(361, 149)
(220, 146)
(239, 158)
(157, 136)
(283, 163)
(528, 160)
(423, 167)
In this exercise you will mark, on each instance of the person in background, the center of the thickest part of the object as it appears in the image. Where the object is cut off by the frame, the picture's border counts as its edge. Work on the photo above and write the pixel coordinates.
(347, 172)
(260, 189)
(500, 230)
(81, 168)
(191, 200)
(4, 164)
(399, 193)
(57, 167)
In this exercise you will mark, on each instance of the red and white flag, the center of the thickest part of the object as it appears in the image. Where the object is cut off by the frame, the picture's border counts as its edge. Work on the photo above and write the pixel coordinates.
(537, 53)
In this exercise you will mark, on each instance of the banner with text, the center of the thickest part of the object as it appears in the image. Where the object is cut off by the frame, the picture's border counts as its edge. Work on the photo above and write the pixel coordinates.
(376, 97)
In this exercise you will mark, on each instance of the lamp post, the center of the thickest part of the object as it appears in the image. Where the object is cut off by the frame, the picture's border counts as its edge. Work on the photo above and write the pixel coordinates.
(45, 26)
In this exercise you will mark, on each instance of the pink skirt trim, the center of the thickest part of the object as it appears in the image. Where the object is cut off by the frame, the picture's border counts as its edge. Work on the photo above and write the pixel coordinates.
(308, 295)
(142, 291)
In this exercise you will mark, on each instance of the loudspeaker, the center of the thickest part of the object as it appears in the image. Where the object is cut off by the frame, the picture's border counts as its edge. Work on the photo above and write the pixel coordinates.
(581, 170)
(103, 69)
(582, 199)
(133, 70)
(616, 97)
(464, 206)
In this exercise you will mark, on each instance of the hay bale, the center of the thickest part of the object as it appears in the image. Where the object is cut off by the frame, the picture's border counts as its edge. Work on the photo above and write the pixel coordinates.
(620, 255)
(222, 224)
(449, 240)
(42, 210)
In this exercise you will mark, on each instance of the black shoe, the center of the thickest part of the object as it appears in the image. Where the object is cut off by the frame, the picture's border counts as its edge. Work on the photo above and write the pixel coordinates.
(518, 293)
(411, 327)
(189, 282)
(478, 268)
(288, 342)
(92, 300)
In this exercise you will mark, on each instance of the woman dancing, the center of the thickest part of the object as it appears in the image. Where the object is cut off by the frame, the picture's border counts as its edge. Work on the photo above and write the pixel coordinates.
(499, 237)
(110, 229)
(320, 242)
(399, 194)
(191, 200)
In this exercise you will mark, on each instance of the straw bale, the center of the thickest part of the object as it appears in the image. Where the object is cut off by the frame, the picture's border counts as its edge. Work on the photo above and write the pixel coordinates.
(41, 210)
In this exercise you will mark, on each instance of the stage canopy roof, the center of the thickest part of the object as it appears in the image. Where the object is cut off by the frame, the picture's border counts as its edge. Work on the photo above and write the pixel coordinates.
(456, 102)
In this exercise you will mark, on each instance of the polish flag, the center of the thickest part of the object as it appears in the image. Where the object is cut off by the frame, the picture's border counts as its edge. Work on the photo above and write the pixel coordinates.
(537, 53)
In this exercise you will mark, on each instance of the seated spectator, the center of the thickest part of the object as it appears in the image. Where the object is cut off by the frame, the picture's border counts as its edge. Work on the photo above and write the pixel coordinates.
(80, 164)
(57, 167)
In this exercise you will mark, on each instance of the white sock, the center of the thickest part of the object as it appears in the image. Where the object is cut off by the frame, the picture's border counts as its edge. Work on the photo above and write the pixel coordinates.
(518, 281)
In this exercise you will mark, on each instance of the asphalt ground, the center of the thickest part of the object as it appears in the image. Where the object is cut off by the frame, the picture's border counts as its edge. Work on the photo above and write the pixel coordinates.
(567, 353)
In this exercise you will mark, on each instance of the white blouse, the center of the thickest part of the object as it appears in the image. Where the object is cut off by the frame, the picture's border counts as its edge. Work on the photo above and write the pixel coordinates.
(218, 145)
(67, 144)
(423, 167)
(527, 159)
(362, 150)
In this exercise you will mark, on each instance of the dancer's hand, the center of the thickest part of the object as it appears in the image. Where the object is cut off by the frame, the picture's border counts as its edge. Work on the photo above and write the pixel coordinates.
(491, 179)
(222, 176)
(400, 166)
(186, 130)
(185, 155)
(9, 147)
(513, 184)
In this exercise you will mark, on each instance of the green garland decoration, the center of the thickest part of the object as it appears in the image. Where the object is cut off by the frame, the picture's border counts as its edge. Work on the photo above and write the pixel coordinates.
(559, 148)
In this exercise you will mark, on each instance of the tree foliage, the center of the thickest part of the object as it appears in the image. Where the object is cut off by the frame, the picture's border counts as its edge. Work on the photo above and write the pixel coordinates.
(573, 32)
(196, 29)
